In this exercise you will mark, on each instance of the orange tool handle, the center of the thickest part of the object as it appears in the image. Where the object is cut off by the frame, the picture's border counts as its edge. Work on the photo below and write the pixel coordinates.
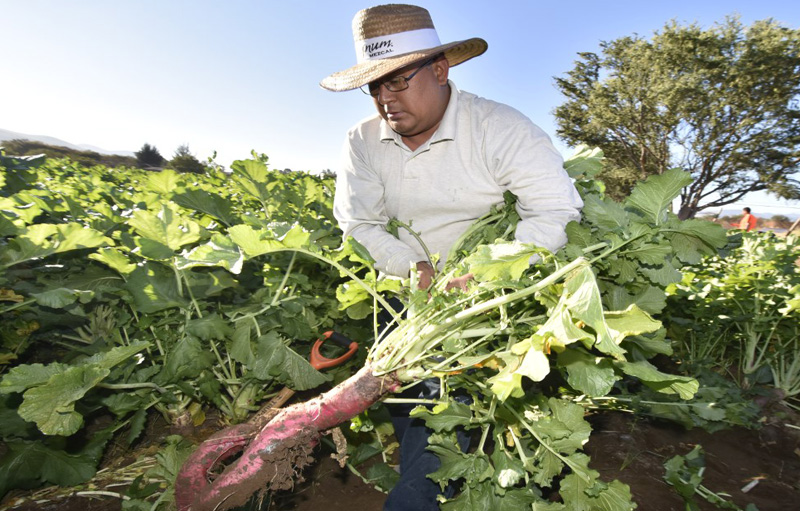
(319, 362)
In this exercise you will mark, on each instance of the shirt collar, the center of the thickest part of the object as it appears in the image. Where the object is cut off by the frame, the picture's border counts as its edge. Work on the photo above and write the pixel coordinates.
(446, 129)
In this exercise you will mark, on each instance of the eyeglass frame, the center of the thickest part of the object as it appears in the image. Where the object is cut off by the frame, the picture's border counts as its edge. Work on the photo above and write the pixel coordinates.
(406, 79)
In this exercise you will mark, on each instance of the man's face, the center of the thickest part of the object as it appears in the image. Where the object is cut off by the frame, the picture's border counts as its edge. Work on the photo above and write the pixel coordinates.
(416, 112)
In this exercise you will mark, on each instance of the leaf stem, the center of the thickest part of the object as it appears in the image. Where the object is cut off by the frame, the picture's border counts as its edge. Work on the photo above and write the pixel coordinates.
(225, 370)
(342, 269)
(417, 237)
(404, 400)
(280, 288)
(178, 281)
(575, 468)
(487, 427)
(17, 306)
(103, 493)
(129, 386)
(191, 294)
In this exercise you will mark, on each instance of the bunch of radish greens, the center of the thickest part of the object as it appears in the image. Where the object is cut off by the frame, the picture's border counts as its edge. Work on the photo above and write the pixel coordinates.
(529, 345)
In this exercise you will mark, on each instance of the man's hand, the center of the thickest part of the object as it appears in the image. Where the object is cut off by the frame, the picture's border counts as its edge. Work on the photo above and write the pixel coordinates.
(459, 283)
(425, 273)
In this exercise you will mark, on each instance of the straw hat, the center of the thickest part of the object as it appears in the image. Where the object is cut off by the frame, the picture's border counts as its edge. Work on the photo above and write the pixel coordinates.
(390, 37)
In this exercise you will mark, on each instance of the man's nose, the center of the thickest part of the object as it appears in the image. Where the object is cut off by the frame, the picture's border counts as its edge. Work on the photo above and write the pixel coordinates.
(385, 96)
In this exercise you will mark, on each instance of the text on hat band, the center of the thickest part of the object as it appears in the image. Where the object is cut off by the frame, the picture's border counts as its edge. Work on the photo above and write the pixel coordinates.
(389, 45)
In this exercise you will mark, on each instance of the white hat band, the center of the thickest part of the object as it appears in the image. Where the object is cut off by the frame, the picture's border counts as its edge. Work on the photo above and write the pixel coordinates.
(390, 45)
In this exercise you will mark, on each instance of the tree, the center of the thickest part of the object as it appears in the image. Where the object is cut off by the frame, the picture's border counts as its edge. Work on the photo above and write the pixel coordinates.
(720, 103)
(148, 156)
(185, 161)
(781, 221)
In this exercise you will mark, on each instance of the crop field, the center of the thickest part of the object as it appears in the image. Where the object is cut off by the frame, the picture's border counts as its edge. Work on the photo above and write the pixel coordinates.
(150, 322)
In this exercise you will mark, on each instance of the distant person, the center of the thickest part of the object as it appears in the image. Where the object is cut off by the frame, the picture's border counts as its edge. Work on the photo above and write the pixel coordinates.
(748, 221)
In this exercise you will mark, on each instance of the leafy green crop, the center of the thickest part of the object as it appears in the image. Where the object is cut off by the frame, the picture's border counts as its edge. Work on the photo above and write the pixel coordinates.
(740, 312)
(212, 288)
(123, 291)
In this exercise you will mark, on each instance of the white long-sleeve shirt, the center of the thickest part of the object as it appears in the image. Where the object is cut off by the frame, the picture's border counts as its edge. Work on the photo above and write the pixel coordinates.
(481, 149)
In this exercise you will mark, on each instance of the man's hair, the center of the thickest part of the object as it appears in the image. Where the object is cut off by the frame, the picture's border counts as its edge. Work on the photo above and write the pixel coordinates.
(746, 209)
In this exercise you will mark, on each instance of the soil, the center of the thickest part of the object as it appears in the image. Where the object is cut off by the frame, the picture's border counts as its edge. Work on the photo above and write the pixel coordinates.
(622, 447)
(634, 451)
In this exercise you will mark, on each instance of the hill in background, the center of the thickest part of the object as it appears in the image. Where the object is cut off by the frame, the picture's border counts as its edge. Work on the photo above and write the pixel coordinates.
(20, 144)
(14, 135)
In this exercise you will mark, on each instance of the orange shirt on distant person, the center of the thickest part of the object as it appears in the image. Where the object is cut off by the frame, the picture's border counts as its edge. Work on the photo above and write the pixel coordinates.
(748, 222)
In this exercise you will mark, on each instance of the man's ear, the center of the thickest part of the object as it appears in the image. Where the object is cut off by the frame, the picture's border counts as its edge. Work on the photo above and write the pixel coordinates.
(442, 70)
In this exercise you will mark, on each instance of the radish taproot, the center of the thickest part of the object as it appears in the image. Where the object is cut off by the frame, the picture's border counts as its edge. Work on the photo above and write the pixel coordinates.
(279, 451)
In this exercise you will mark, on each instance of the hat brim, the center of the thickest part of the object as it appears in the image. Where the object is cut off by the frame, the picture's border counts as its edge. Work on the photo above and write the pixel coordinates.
(366, 72)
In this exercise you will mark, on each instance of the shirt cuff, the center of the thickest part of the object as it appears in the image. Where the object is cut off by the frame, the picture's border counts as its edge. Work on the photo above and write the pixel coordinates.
(401, 263)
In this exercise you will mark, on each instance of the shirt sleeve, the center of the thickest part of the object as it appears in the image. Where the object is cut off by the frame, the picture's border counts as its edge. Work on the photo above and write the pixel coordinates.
(526, 163)
(358, 206)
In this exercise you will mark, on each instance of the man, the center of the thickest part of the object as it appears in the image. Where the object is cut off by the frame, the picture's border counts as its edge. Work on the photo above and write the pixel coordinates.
(748, 221)
(435, 158)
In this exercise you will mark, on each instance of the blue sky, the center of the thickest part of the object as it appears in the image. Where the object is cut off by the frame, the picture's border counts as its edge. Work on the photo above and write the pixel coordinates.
(243, 74)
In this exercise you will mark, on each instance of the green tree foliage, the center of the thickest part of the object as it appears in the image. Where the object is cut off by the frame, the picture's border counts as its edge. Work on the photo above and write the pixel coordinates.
(148, 156)
(781, 221)
(719, 103)
(184, 161)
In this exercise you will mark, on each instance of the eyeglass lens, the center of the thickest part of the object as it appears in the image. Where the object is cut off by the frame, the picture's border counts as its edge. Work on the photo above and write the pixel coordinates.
(396, 84)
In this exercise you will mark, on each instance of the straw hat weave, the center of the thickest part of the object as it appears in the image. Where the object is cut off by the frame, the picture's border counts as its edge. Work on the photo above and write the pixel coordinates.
(390, 37)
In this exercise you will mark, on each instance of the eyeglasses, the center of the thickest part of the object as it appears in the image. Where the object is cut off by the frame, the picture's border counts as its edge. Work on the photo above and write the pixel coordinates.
(395, 84)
